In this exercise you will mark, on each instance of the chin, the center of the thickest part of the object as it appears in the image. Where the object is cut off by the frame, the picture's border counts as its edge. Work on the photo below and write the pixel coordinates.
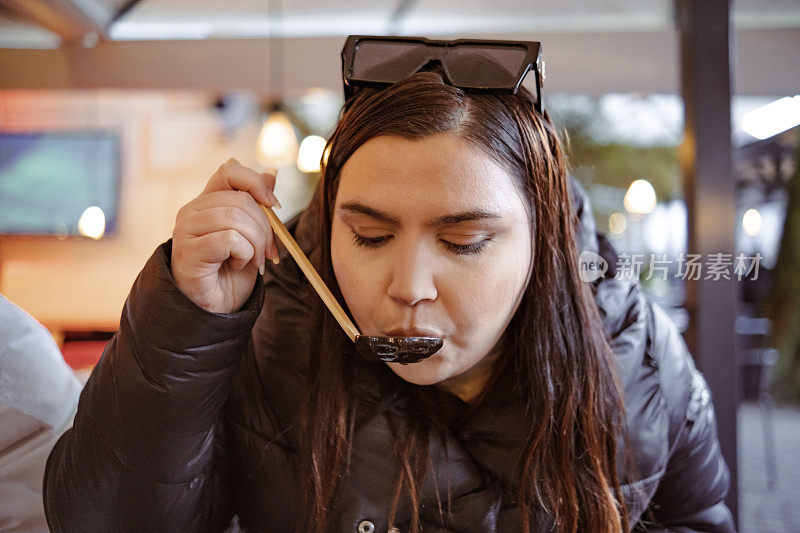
(431, 371)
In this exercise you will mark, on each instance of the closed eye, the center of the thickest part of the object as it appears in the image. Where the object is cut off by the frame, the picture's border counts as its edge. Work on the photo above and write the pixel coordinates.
(370, 242)
(459, 249)
(465, 249)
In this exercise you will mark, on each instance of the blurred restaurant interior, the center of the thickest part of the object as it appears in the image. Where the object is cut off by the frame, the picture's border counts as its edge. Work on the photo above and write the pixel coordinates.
(114, 113)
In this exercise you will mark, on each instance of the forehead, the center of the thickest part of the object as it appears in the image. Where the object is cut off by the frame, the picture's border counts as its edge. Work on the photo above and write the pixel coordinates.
(437, 173)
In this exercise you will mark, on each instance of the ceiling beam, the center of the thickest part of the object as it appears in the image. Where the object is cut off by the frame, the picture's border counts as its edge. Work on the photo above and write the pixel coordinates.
(579, 63)
(71, 20)
(400, 12)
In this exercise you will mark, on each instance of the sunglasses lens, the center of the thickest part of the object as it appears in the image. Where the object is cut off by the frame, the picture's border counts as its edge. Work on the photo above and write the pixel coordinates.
(487, 67)
(386, 61)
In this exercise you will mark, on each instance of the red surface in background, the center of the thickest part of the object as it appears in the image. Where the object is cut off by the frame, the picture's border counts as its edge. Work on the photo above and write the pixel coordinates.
(82, 354)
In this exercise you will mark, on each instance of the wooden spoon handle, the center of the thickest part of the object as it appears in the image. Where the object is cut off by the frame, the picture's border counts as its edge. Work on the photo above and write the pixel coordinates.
(308, 269)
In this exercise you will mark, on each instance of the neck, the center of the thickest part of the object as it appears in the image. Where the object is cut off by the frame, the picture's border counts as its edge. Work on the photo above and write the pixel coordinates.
(470, 384)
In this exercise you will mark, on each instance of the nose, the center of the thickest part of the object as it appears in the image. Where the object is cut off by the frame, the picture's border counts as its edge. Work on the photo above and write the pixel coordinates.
(412, 276)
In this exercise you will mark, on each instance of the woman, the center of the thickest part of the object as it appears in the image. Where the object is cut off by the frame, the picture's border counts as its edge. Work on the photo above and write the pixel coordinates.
(555, 404)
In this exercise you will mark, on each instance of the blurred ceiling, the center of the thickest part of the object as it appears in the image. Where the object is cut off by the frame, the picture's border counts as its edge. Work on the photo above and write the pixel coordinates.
(590, 46)
(198, 19)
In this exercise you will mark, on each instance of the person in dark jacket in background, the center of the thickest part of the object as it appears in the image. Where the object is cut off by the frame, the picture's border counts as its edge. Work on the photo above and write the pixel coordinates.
(554, 404)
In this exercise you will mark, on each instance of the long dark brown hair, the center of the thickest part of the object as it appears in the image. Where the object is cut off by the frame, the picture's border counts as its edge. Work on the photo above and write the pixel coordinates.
(555, 345)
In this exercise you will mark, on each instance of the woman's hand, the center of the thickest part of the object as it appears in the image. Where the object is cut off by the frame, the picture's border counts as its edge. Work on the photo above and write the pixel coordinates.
(222, 238)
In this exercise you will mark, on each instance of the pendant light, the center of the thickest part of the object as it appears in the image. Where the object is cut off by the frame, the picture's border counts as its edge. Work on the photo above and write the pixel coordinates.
(309, 156)
(277, 144)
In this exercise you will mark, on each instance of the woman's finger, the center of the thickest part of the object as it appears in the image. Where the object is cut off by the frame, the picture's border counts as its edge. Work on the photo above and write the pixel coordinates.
(233, 199)
(218, 218)
(233, 176)
(237, 199)
(217, 247)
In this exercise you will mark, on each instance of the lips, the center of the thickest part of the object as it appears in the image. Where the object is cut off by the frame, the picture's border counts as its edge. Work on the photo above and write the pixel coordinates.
(412, 332)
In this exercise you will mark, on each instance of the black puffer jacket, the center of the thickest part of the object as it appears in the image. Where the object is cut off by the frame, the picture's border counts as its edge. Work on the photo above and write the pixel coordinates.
(190, 417)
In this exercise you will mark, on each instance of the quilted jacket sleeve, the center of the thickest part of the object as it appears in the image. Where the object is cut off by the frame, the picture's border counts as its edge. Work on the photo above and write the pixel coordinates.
(690, 496)
(146, 451)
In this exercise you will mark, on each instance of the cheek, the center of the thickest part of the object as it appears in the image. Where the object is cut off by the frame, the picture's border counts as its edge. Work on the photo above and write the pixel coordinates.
(484, 300)
(357, 278)
(342, 265)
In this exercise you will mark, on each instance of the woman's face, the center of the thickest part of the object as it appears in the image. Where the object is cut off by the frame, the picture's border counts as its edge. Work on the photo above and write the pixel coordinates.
(431, 238)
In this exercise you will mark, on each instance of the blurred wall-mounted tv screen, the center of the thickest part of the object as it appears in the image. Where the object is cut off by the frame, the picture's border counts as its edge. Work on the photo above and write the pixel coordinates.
(59, 183)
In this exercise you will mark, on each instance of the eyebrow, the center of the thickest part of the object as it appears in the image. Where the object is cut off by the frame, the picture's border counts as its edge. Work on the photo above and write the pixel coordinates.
(453, 218)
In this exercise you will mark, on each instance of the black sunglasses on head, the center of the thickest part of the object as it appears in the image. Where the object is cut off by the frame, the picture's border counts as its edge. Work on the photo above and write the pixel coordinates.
(476, 65)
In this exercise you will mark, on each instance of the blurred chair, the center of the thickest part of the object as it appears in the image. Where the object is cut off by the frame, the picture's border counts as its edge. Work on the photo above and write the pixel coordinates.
(756, 364)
